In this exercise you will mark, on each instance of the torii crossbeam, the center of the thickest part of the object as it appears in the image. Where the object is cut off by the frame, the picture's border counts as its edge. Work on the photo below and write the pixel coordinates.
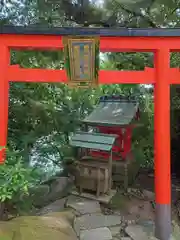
(159, 41)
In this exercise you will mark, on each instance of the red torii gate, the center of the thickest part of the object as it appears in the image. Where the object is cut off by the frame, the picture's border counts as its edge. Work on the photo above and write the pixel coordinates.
(159, 41)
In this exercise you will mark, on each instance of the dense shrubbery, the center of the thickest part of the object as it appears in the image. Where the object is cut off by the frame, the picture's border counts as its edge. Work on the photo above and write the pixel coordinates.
(15, 181)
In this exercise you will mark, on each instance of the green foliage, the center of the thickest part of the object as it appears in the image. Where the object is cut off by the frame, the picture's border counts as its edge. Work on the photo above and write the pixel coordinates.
(14, 178)
(143, 136)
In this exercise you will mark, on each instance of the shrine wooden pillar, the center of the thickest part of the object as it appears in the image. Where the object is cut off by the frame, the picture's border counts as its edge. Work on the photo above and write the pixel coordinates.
(162, 144)
(4, 89)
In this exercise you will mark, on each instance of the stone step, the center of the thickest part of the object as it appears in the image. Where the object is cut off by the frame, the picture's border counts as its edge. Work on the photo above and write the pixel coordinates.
(83, 206)
(122, 238)
(136, 232)
(96, 220)
(98, 233)
(125, 238)
(115, 231)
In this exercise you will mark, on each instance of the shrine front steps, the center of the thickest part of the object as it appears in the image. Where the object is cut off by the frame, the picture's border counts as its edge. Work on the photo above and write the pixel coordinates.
(83, 206)
(90, 223)
(95, 220)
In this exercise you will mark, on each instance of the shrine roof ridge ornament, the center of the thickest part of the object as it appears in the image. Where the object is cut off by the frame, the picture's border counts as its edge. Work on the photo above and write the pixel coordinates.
(106, 32)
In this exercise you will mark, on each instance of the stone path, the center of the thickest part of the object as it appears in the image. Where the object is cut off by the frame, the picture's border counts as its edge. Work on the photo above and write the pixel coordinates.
(90, 223)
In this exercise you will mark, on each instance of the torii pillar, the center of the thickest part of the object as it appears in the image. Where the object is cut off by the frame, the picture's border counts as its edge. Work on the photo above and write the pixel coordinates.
(4, 99)
(162, 138)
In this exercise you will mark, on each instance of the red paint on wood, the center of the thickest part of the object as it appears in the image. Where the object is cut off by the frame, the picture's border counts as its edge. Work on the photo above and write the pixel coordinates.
(162, 128)
(174, 76)
(32, 41)
(4, 87)
(15, 73)
(131, 77)
(136, 44)
(122, 147)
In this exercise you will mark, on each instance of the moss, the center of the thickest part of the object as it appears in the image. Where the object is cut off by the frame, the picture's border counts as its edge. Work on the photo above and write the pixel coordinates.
(119, 201)
(56, 226)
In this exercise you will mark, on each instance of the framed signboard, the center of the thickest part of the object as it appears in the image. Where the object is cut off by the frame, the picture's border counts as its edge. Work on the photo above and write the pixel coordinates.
(82, 60)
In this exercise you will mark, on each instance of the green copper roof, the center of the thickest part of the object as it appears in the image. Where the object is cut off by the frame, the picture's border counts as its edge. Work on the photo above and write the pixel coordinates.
(113, 112)
(93, 141)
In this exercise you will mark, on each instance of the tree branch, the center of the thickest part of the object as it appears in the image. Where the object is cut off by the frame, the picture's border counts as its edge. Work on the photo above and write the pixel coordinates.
(174, 10)
(139, 14)
(94, 22)
(78, 13)
(150, 5)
